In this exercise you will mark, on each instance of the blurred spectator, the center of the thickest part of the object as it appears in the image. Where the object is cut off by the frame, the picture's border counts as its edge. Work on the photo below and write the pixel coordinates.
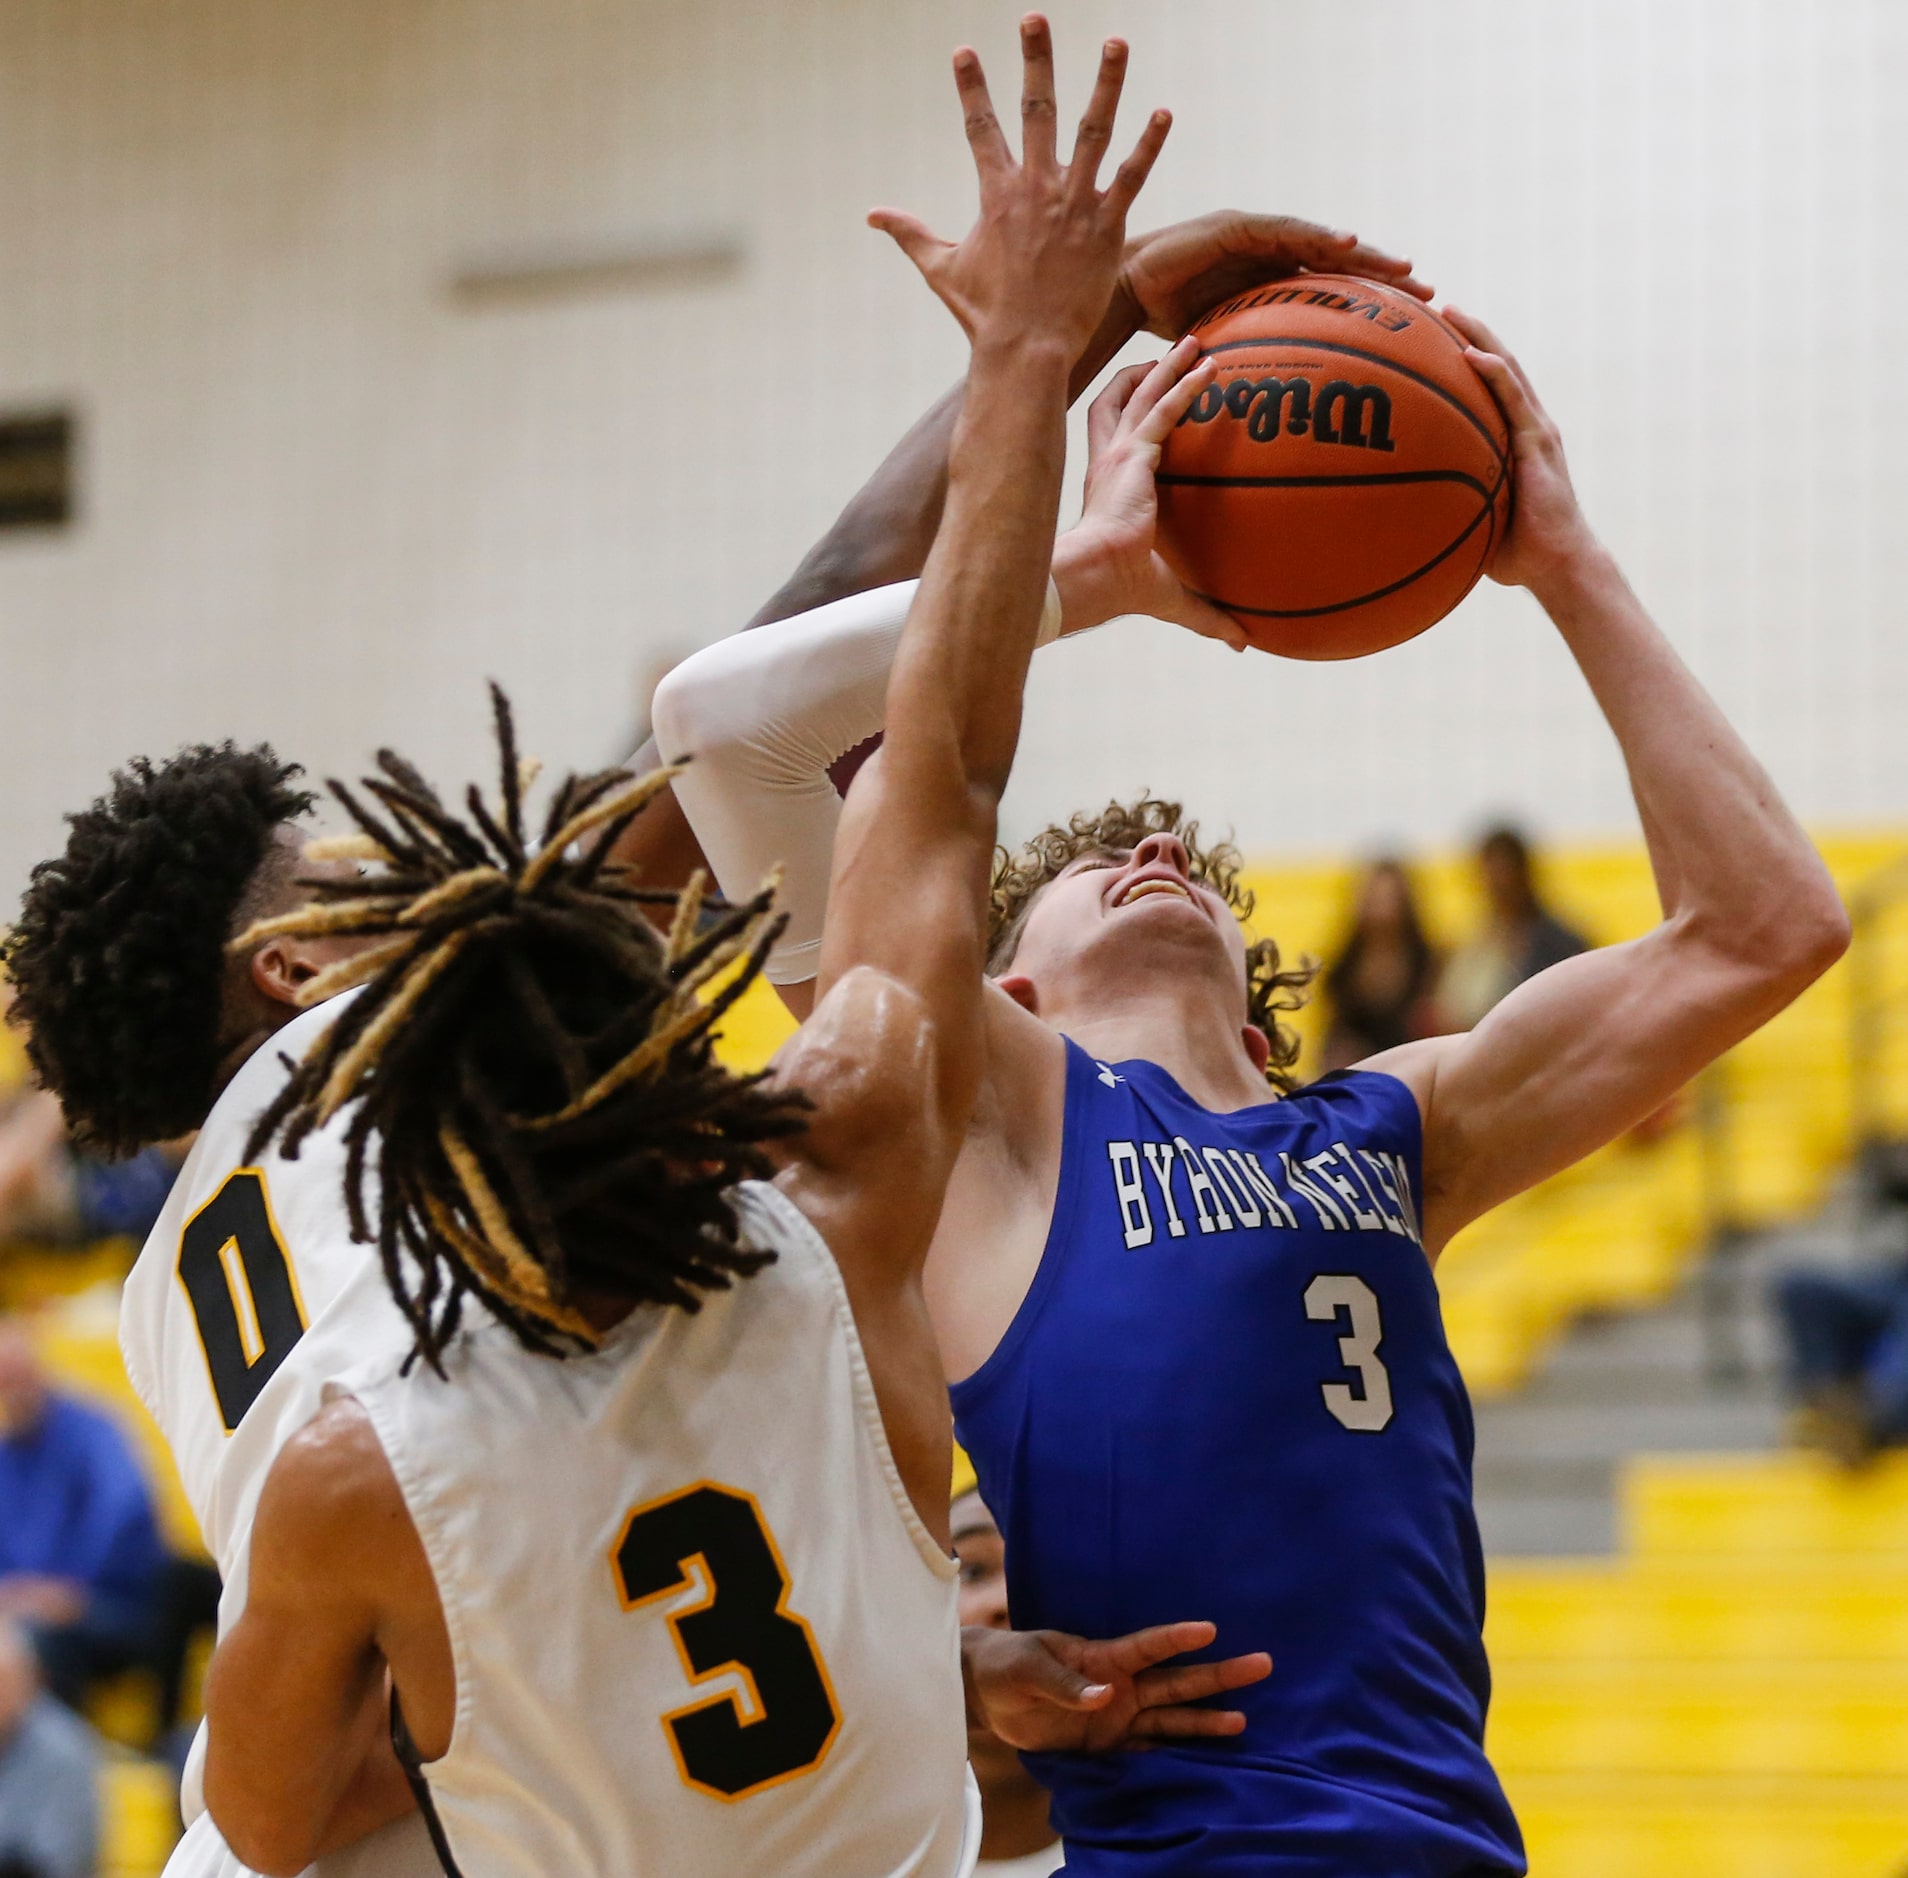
(1017, 1836)
(1379, 985)
(1521, 936)
(1848, 1358)
(49, 1775)
(80, 1555)
(50, 1192)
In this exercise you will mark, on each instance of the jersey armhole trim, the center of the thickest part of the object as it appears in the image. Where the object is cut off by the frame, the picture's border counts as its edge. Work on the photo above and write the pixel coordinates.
(790, 1221)
(373, 1399)
(971, 1391)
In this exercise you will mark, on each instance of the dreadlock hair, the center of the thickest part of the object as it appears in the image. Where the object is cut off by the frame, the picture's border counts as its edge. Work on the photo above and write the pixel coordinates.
(118, 957)
(1118, 828)
(531, 1058)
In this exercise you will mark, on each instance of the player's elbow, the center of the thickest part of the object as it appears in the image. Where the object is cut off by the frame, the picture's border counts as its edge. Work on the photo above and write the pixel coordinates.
(1806, 932)
(1801, 931)
(260, 1837)
(1820, 931)
(682, 715)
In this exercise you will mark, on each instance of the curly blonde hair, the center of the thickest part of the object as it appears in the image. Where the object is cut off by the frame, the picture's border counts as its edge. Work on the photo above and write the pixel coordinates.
(1118, 829)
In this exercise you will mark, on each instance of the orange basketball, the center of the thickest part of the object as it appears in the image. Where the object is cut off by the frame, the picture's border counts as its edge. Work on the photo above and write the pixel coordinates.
(1341, 484)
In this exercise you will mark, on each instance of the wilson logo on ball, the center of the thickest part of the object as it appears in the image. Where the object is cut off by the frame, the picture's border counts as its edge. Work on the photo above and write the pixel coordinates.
(1346, 477)
(1359, 415)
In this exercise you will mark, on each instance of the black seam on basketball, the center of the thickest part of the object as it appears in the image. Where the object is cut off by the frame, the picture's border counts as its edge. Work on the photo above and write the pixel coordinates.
(1334, 482)
(1374, 358)
(1363, 599)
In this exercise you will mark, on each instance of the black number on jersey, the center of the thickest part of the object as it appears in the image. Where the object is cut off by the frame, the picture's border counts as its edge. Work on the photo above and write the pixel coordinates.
(1365, 1410)
(717, 1535)
(234, 1268)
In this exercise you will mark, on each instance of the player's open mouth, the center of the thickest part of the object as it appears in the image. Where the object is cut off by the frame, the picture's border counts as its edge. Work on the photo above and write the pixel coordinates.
(1141, 889)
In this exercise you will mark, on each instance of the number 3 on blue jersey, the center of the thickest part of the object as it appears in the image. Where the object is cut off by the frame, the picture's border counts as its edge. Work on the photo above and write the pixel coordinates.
(1367, 1411)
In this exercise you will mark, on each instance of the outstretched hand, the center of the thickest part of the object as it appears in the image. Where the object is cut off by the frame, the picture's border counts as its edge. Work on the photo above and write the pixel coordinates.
(1045, 1691)
(1108, 563)
(1547, 529)
(1041, 260)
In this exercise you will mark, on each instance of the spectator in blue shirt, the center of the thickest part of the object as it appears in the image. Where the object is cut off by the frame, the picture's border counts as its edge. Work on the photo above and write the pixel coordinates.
(80, 1555)
(49, 1775)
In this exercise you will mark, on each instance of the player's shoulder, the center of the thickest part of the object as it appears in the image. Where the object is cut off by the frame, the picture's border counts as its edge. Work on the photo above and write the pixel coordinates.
(866, 1050)
(331, 1487)
(1379, 1097)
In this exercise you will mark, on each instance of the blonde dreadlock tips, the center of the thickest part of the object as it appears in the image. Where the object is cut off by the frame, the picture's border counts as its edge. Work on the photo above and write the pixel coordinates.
(450, 893)
(308, 922)
(346, 848)
(522, 1280)
(366, 1050)
(619, 802)
(481, 1258)
(359, 969)
(682, 929)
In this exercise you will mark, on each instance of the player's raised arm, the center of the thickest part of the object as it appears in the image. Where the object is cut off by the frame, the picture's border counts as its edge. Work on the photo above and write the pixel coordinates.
(1590, 1047)
(892, 1055)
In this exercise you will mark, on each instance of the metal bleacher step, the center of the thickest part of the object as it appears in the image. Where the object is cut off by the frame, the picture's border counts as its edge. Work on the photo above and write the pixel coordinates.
(1547, 1457)
(1832, 1826)
(1676, 1611)
(1778, 1505)
(1772, 1720)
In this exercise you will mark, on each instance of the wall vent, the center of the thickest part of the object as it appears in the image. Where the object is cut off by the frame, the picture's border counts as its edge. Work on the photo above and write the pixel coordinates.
(36, 469)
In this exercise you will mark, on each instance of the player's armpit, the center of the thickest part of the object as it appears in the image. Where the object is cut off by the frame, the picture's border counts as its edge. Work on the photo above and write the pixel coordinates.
(298, 1758)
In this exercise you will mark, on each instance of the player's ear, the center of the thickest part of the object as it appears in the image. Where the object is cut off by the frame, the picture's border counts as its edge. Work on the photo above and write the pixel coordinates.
(1258, 1046)
(279, 970)
(1020, 988)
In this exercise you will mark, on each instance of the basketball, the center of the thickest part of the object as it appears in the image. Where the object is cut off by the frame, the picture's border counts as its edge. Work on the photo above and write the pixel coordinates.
(1340, 485)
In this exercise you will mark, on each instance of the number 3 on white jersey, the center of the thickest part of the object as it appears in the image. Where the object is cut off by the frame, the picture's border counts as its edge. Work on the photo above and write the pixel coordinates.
(1369, 1410)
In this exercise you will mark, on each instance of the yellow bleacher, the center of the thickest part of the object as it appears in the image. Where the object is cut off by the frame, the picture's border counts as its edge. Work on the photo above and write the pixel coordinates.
(1730, 1695)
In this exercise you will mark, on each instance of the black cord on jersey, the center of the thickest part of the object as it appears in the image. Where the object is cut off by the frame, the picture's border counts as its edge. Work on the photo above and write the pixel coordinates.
(413, 1764)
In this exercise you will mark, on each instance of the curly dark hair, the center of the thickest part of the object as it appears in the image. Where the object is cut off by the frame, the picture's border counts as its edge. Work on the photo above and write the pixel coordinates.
(532, 1059)
(1118, 829)
(118, 957)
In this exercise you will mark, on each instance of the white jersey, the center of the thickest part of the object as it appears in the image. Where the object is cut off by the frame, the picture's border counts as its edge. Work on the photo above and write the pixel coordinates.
(247, 1298)
(697, 1627)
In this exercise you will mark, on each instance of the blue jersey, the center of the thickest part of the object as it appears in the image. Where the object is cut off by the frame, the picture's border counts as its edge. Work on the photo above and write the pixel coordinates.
(1228, 1396)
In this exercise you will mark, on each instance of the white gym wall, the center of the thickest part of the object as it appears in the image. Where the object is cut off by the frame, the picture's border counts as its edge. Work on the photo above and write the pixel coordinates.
(323, 494)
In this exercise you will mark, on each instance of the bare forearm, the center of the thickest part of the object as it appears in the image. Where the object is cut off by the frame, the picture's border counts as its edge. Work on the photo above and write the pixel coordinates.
(963, 661)
(286, 1781)
(1724, 843)
(887, 529)
(885, 532)
(379, 1793)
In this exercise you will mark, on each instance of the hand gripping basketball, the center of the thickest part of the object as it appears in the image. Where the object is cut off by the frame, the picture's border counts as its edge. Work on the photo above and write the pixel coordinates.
(1108, 563)
(1547, 529)
(1041, 260)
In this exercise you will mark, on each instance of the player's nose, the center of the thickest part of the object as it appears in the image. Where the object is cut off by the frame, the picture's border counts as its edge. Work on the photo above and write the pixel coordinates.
(1163, 851)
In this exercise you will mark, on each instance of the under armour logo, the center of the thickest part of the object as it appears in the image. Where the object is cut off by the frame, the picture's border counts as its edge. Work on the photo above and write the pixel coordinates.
(1107, 1076)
